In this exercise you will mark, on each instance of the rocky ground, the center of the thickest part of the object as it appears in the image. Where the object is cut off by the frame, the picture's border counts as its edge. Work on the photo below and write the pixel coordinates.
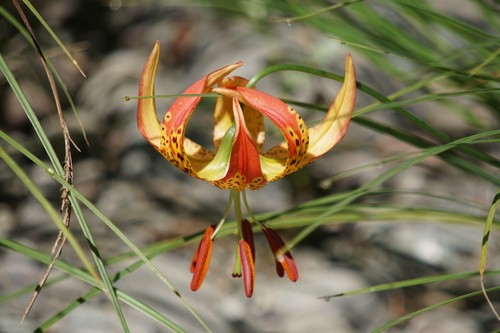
(151, 201)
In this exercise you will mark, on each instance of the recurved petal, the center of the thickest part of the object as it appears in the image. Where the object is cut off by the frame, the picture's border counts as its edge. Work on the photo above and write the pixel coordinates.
(223, 118)
(288, 121)
(218, 75)
(182, 152)
(284, 158)
(330, 131)
(147, 120)
(216, 168)
(255, 124)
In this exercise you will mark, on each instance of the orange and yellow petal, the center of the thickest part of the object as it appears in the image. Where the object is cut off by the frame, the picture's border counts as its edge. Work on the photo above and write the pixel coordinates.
(330, 131)
(218, 166)
(182, 152)
(224, 116)
(147, 120)
(244, 166)
(284, 158)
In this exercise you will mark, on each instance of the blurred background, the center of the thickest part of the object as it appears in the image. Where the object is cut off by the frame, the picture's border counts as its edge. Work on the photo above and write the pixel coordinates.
(404, 230)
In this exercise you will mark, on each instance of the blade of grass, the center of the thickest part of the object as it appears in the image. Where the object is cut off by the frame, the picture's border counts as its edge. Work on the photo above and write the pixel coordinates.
(65, 206)
(366, 187)
(425, 98)
(406, 317)
(409, 283)
(108, 223)
(332, 198)
(21, 175)
(454, 160)
(328, 182)
(20, 28)
(76, 272)
(133, 302)
(45, 259)
(53, 35)
(6, 297)
(307, 216)
(484, 248)
(289, 20)
(375, 94)
(417, 141)
(458, 26)
(58, 170)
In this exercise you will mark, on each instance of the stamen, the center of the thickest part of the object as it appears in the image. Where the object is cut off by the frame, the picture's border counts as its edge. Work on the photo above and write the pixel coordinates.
(282, 256)
(201, 259)
(247, 266)
(246, 229)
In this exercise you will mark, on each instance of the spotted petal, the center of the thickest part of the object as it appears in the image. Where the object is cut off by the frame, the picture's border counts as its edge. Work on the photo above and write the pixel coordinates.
(184, 153)
(284, 158)
(244, 167)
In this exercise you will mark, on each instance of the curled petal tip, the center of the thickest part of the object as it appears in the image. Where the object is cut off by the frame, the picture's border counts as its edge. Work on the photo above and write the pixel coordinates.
(331, 130)
(147, 120)
(219, 74)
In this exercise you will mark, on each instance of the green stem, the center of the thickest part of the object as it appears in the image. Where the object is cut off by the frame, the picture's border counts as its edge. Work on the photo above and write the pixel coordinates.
(249, 210)
(237, 210)
(226, 212)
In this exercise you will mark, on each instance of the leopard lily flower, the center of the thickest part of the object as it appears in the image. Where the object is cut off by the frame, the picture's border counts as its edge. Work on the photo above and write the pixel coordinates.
(238, 160)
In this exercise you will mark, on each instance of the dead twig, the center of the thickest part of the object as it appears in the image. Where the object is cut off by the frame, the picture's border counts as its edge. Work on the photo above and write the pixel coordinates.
(68, 164)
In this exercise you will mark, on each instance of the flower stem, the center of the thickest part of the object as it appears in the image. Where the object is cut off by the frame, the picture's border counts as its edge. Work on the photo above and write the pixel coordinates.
(237, 210)
(226, 211)
(247, 207)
